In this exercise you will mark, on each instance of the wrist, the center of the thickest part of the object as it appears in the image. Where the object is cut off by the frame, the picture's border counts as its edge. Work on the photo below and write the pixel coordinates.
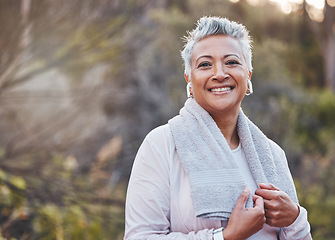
(226, 235)
(297, 213)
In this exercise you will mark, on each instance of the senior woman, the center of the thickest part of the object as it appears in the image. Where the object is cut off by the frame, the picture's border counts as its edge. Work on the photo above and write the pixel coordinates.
(210, 173)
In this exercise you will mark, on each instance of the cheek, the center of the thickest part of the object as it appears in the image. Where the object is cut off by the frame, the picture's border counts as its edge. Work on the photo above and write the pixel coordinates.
(199, 79)
(243, 78)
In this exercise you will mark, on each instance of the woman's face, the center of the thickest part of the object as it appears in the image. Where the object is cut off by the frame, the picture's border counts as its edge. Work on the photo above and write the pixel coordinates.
(219, 74)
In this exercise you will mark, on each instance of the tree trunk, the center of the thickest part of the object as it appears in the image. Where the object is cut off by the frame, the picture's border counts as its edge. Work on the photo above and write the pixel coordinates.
(324, 33)
(329, 62)
(329, 46)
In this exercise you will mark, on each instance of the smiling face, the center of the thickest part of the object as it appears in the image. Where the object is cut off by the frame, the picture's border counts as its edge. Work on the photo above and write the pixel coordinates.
(219, 74)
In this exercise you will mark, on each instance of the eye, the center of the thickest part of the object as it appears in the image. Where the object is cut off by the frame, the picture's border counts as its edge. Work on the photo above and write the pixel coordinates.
(232, 62)
(204, 65)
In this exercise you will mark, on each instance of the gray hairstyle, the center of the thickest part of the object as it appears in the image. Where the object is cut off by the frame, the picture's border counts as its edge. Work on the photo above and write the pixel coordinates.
(208, 26)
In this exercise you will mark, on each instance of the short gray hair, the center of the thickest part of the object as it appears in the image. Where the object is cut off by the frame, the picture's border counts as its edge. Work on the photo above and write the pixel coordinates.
(208, 26)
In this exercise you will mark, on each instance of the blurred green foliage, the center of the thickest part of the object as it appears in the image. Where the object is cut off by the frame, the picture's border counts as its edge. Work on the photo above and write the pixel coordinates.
(75, 212)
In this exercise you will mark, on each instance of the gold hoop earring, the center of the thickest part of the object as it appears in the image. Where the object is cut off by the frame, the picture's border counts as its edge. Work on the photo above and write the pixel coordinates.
(250, 88)
(188, 90)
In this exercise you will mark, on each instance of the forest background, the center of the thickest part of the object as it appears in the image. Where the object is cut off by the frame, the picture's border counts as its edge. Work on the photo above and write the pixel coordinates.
(82, 82)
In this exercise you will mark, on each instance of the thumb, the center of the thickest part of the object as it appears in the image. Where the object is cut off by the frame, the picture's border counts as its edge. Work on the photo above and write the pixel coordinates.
(268, 186)
(258, 201)
(242, 200)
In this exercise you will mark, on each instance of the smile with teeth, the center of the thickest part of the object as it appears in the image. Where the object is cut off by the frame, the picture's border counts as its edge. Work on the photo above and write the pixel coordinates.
(219, 90)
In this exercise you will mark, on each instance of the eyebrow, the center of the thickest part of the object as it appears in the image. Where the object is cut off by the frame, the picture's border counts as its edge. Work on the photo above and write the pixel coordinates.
(232, 54)
(225, 56)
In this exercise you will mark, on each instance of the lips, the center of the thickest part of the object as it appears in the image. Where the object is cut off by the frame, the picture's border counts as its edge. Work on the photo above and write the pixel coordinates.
(221, 89)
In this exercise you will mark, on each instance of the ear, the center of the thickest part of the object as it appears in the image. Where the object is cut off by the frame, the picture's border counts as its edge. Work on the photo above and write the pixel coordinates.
(187, 78)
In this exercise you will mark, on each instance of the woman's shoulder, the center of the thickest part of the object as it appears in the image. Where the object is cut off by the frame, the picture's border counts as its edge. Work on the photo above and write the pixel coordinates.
(159, 134)
(156, 148)
(274, 145)
(276, 148)
(160, 137)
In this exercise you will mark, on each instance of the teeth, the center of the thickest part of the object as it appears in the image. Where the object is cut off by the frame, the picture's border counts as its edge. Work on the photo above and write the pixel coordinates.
(220, 89)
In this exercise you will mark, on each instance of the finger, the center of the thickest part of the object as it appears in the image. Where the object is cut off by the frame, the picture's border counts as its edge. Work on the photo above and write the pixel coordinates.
(269, 221)
(267, 194)
(274, 215)
(272, 218)
(273, 205)
(268, 186)
(242, 200)
(267, 204)
(258, 201)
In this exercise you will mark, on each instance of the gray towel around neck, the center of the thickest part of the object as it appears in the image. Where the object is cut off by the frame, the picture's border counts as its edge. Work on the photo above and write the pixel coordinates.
(215, 178)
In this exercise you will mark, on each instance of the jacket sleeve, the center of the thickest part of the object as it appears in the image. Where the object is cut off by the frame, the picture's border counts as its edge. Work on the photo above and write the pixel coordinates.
(299, 229)
(147, 210)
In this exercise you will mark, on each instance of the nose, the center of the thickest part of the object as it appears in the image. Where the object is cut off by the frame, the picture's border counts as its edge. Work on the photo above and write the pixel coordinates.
(220, 73)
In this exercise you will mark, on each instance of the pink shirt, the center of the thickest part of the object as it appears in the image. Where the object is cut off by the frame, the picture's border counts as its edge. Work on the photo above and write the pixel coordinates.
(159, 205)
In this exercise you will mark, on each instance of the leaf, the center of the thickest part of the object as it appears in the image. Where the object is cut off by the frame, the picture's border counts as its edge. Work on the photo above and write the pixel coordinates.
(18, 182)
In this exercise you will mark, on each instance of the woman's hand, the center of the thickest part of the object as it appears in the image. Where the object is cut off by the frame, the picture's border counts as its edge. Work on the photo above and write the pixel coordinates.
(280, 210)
(244, 222)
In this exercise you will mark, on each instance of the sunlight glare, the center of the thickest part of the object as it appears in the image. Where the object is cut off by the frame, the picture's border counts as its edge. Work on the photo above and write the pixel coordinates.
(286, 8)
(253, 2)
(331, 3)
(315, 14)
(282, 2)
(297, 1)
(318, 4)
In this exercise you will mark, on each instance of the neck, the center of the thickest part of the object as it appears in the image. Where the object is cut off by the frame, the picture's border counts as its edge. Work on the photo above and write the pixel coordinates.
(227, 125)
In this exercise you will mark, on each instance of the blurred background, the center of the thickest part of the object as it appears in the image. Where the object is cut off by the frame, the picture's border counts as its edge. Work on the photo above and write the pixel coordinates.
(83, 81)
